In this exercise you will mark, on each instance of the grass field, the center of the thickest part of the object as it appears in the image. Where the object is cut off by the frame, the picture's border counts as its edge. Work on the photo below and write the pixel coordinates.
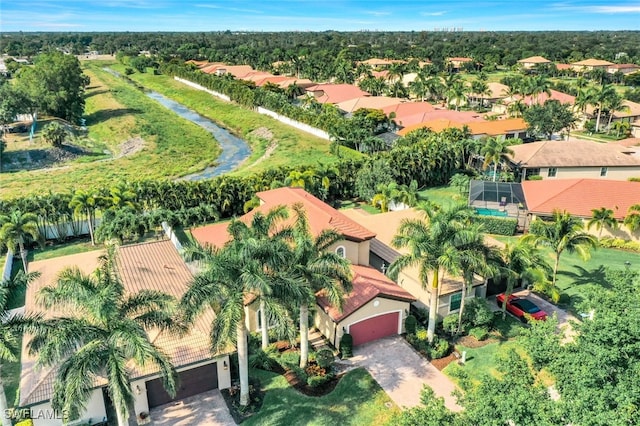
(293, 146)
(172, 146)
(357, 400)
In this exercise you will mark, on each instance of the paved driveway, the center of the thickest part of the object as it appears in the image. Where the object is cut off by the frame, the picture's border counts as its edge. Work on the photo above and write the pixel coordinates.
(205, 409)
(401, 371)
(564, 318)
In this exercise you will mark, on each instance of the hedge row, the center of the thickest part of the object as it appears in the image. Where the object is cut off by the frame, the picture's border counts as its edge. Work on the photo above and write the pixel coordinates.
(498, 225)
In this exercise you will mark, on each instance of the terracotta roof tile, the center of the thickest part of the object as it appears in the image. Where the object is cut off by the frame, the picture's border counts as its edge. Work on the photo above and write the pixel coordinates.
(335, 93)
(368, 283)
(592, 63)
(534, 60)
(373, 102)
(580, 196)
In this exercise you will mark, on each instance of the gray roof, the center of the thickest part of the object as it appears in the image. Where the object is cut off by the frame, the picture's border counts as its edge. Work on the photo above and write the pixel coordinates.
(382, 250)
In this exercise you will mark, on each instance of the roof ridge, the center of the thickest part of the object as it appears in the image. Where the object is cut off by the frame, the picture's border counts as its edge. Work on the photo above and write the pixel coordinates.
(38, 383)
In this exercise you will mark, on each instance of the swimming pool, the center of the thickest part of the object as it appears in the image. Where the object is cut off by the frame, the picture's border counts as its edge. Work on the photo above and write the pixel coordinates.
(490, 212)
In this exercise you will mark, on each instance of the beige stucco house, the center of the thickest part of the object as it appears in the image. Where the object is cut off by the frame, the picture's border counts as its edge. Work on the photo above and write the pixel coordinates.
(154, 266)
(590, 65)
(533, 61)
(575, 159)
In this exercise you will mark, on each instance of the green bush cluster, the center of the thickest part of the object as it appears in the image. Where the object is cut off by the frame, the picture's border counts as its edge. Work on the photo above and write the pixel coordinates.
(477, 314)
(619, 243)
(498, 225)
(438, 349)
(480, 333)
(410, 324)
(325, 358)
(346, 345)
(315, 381)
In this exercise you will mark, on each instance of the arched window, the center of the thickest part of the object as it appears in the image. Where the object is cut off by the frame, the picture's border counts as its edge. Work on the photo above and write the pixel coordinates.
(341, 251)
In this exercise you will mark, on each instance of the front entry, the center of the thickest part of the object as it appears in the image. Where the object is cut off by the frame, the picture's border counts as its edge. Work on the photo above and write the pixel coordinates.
(191, 382)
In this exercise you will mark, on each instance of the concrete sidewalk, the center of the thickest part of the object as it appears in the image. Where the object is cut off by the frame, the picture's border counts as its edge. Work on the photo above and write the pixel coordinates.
(402, 372)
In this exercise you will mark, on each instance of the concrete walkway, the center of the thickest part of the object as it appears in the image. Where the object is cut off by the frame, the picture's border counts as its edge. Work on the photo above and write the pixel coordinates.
(205, 409)
(402, 372)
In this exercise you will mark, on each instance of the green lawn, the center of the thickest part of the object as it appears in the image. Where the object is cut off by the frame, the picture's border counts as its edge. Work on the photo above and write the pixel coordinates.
(64, 249)
(10, 372)
(443, 195)
(357, 400)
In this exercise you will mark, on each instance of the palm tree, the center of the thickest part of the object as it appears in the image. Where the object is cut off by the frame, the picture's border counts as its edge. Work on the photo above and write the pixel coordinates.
(54, 133)
(494, 151)
(522, 261)
(537, 86)
(600, 98)
(11, 329)
(474, 257)
(602, 217)
(564, 232)
(316, 268)
(85, 203)
(621, 127)
(632, 219)
(431, 245)
(615, 103)
(264, 240)
(15, 229)
(456, 93)
(104, 336)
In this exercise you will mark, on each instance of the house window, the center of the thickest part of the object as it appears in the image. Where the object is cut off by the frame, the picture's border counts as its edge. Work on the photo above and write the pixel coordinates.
(552, 172)
(455, 301)
(533, 172)
(341, 251)
(603, 171)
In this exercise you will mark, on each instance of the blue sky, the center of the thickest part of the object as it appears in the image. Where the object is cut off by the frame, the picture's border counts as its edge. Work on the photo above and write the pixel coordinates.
(312, 15)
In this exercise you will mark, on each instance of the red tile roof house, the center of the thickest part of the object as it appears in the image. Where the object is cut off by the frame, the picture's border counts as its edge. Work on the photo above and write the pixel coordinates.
(625, 69)
(580, 196)
(575, 159)
(156, 266)
(335, 93)
(375, 308)
(503, 106)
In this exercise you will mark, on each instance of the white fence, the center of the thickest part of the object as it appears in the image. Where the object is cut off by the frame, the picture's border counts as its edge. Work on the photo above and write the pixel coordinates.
(8, 264)
(281, 118)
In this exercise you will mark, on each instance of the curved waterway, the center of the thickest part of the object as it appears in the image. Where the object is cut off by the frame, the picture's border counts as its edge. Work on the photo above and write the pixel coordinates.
(234, 149)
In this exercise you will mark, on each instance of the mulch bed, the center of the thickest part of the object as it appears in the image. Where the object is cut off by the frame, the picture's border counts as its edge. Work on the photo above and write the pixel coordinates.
(472, 342)
(441, 363)
(302, 387)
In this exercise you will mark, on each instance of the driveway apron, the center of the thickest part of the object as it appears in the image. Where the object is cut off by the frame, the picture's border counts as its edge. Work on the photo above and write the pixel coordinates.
(205, 409)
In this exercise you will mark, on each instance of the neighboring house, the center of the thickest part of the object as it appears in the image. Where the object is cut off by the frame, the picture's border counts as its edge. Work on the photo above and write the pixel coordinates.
(502, 107)
(458, 62)
(635, 129)
(496, 92)
(219, 69)
(374, 302)
(630, 113)
(408, 113)
(383, 254)
(625, 69)
(155, 266)
(377, 62)
(590, 65)
(508, 128)
(580, 196)
(370, 102)
(335, 93)
(533, 61)
(574, 159)
(444, 116)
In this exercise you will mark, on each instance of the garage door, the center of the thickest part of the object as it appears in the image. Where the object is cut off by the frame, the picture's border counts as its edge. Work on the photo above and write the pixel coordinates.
(192, 382)
(374, 328)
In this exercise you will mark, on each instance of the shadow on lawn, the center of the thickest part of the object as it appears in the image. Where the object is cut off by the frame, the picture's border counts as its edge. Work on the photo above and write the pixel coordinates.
(106, 114)
(585, 276)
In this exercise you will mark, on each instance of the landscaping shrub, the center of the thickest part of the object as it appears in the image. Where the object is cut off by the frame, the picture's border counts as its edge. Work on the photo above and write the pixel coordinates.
(450, 323)
(421, 314)
(477, 313)
(537, 227)
(439, 348)
(422, 333)
(315, 381)
(289, 359)
(480, 333)
(346, 345)
(325, 358)
(264, 360)
(619, 243)
(410, 324)
(498, 225)
(534, 177)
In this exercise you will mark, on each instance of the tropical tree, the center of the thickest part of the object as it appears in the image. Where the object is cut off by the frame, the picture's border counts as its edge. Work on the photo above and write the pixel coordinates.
(494, 151)
(11, 328)
(621, 127)
(85, 203)
(104, 334)
(456, 93)
(431, 245)
(316, 268)
(54, 133)
(15, 230)
(601, 218)
(615, 103)
(632, 219)
(599, 99)
(563, 233)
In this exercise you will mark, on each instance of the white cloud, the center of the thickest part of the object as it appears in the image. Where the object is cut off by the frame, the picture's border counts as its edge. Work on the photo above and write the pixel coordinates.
(377, 13)
(614, 9)
(433, 13)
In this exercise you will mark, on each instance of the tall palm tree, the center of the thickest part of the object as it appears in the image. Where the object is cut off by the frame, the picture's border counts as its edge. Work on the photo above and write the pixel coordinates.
(316, 268)
(431, 245)
(85, 203)
(522, 261)
(537, 86)
(264, 240)
(615, 103)
(599, 99)
(15, 230)
(563, 232)
(104, 334)
(11, 329)
(494, 151)
(456, 93)
(231, 275)
(601, 218)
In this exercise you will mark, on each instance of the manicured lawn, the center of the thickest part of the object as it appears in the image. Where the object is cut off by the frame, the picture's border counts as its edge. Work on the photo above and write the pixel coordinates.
(480, 361)
(59, 250)
(294, 147)
(10, 372)
(357, 400)
(443, 195)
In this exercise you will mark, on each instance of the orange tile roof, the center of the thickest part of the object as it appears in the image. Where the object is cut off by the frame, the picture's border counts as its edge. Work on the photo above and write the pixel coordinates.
(497, 127)
(375, 62)
(368, 283)
(380, 74)
(534, 60)
(459, 59)
(408, 109)
(373, 102)
(321, 216)
(440, 116)
(624, 66)
(563, 98)
(563, 67)
(335, 93)
(580, 196)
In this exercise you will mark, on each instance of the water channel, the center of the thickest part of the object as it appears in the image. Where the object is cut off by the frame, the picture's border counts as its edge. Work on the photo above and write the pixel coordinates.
(234, 149)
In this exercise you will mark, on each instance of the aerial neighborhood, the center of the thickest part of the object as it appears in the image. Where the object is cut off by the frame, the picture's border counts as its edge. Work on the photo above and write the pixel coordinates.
(390, 228)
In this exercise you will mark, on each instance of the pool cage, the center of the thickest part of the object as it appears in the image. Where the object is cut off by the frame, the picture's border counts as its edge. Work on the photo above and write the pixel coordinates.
(501, 199)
